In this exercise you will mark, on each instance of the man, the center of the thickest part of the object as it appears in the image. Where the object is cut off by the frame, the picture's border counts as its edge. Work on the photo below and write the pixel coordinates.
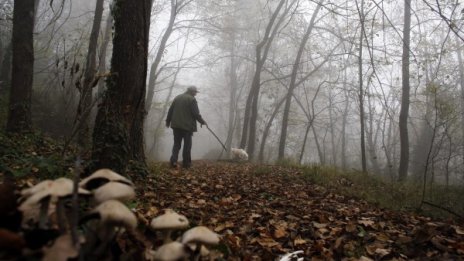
(182, 117)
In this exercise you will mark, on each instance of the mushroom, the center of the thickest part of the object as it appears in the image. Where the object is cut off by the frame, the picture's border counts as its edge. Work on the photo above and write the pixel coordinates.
(25, 193)
(200, 236)
(114, 190)
(114, 213)
(62, 249)
(101, 177)
(39, 197)
(110, 214)
(168, 222)
(170, 252)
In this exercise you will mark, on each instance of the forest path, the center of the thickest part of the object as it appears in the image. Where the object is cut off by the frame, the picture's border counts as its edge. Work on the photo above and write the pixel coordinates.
(264, 211)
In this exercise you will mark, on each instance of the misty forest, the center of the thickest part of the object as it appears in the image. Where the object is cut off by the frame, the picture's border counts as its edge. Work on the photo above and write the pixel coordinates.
(327, 130)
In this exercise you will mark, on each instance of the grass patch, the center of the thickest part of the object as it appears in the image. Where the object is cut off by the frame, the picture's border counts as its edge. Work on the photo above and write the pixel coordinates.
(406, 196)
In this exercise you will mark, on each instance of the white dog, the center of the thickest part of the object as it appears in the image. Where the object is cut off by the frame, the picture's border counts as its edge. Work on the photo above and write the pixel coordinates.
(239, 153)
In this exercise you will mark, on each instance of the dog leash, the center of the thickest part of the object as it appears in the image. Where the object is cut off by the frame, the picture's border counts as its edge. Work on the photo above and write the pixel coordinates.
(216, 137)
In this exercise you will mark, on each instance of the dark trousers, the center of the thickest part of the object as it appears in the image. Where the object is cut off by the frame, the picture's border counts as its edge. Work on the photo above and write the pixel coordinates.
(180, 135)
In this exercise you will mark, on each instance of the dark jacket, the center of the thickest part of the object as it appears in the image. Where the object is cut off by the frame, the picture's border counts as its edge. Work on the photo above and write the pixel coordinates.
(184, 113)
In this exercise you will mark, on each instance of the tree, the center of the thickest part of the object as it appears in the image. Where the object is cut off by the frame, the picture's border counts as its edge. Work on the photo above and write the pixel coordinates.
(296, 65)
(121, 112)
(251, 108)
(19, 114)
(85, 101)
(176, 7)
(403, 119)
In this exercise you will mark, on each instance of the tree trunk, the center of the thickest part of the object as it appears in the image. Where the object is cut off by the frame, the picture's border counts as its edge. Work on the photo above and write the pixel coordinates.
(159, 55)
(5, 70)
(85, 101)
(119, 123)
(19, 114)
(461, 85)
(233, 94)
(266, 130)
(251, 107)
(403, 119)
(319, 149)
(291, 88)
(361, 89)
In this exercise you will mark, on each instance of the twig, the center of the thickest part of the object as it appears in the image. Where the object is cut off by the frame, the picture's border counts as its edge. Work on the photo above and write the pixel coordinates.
(75, 202)
(442, 208)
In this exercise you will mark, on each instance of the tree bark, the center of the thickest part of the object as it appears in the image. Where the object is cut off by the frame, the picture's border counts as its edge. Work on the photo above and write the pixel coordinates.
(403, 119)
(119, 123)
(19, 114)
(5, 70)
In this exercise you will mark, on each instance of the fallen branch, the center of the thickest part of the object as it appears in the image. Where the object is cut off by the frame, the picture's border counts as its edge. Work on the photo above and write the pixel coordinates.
(442, 208)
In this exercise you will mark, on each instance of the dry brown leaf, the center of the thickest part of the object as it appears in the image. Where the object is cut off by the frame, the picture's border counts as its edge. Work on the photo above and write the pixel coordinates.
(280, 232)
(267, 242)
(299, 241)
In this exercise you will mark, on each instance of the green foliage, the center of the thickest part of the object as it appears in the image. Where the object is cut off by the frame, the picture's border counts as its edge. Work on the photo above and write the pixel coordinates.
(32, 154)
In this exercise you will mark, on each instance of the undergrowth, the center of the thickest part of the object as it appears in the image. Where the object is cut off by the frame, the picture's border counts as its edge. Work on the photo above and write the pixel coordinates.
(405, 196)
(32, 154)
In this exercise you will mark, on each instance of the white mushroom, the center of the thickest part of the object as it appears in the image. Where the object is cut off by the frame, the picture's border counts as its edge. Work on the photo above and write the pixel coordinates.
(200, 236)
(34, 189)
(114, 190)
(101, 177)
(170, 252)
(110, 215)
(168, 222)
(42, 198)
(115, 213)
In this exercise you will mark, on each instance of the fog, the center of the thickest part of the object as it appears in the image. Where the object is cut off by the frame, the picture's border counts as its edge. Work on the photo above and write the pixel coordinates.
(320, 66)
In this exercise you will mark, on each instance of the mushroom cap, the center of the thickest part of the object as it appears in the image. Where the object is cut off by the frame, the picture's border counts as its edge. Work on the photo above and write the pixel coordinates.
(104, 175)
(58, 188)
(116, 213)
(169, 220)
(36, 188)
(114, 190)
(200, 234)
(170, 252)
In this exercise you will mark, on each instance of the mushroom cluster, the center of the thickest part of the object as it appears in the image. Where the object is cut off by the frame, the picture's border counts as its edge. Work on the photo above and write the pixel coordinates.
(109, 216)
(193, 243)
(47, 207)
(43, 200)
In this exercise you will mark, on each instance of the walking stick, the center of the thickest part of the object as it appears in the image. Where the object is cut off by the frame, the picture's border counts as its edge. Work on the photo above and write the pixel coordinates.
(216, 137)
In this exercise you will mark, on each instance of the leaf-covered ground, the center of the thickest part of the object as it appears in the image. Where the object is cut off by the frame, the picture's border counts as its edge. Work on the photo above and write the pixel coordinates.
(265, 211)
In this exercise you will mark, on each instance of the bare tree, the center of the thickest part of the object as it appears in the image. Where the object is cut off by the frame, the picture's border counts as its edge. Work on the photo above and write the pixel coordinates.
(89, 78)
(261, 51)
(296, 65)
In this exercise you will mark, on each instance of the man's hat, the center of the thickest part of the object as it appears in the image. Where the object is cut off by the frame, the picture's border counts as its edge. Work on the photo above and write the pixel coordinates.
(192, 89)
